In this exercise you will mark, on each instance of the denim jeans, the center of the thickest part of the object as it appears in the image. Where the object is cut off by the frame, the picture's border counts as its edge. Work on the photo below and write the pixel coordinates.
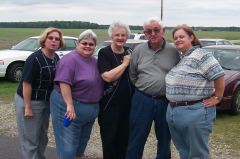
(144, 111)
(33, 132)
(71, 141)
(190, 127)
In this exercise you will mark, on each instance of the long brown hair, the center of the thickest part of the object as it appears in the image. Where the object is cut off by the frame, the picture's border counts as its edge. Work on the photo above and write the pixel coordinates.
(189, 31)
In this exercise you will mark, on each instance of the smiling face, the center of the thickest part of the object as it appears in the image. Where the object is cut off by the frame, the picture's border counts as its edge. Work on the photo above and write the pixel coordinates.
(86, 47)
(154, 34)
(182, 40)
(119, 37)
(52, 42)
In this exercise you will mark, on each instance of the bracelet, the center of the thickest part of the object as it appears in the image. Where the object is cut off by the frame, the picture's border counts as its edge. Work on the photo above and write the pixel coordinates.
(217, 98)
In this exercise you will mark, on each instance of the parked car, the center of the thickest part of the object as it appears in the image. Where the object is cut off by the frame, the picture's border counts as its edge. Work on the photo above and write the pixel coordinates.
(12, 61)
(229, 58)
(131, 43)
(209, 42)
(137, 36)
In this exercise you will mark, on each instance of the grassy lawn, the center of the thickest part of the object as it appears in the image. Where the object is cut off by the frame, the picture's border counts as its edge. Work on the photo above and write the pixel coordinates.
(226, 130)
(7, 90)
(11, 36)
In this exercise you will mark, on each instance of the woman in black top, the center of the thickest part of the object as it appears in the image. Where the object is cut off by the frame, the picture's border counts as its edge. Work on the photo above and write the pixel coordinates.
(32, 97)
(115, 105)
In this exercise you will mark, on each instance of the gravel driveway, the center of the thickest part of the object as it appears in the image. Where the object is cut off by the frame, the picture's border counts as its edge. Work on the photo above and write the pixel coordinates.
(8, 127)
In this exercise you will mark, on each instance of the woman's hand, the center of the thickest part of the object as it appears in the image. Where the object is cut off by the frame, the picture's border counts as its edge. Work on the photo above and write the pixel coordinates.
(126, 60)
(28, 112)
(210, 102)
(70, 114)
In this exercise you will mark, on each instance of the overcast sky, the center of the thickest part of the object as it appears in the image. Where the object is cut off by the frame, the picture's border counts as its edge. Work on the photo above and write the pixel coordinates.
(132, 12)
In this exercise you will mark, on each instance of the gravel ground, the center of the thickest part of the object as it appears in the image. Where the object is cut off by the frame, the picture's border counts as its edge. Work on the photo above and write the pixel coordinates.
(8, 127)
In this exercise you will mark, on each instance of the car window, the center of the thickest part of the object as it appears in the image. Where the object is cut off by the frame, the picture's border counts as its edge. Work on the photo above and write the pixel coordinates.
(69, 44)
(142, 37)
(131, 36)
(30, 44)
(208, 43)
(227, 42)
(220, 43)
(228, 59)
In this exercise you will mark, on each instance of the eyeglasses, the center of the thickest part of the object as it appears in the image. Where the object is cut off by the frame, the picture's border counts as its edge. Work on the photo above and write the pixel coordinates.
(89, 44)
(151, 31)
(51, 38)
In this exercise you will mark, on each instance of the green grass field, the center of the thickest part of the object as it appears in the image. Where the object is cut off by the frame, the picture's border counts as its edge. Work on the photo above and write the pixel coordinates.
(11, 36)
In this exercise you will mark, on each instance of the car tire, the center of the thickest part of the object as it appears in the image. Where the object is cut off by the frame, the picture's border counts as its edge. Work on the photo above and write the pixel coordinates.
(15, 72)
(236, 102)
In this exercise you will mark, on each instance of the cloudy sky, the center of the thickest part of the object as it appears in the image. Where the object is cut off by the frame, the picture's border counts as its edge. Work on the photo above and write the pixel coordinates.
(132, 12)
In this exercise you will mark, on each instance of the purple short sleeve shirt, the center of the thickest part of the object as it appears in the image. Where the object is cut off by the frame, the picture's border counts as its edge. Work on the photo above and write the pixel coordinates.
(82, 75)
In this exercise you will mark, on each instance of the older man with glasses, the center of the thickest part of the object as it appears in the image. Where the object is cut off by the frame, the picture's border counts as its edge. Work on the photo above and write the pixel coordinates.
(149, 64)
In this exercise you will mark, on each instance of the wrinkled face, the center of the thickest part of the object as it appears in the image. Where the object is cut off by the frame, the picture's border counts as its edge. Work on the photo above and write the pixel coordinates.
(154, 33)
(52, 41)
(119, 36)
(86, 47)
(182, 40)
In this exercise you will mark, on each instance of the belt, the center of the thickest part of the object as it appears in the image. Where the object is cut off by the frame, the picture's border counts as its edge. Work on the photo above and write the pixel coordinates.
(184, 103)
(154, 96)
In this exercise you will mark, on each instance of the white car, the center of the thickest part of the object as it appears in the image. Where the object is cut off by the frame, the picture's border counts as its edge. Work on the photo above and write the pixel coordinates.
(129, 43)
(12, 61)
(137, 36)
(208, 42)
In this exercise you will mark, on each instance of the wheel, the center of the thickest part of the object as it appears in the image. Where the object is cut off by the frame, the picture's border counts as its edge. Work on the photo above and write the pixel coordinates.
(15, 72)
(236, 102)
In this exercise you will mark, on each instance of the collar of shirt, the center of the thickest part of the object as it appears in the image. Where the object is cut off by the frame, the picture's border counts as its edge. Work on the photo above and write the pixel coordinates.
(161, 48)
(189, 51)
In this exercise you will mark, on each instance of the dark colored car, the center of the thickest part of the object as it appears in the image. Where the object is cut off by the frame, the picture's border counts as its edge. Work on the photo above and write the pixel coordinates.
(131, 43)
(229, 58)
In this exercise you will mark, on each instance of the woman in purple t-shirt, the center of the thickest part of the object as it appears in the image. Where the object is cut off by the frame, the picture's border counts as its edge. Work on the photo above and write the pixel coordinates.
(77, 90)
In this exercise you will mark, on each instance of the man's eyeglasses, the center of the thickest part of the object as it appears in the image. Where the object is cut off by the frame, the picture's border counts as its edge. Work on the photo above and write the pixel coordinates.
(89, 44)
(52, 37)
(152, 31)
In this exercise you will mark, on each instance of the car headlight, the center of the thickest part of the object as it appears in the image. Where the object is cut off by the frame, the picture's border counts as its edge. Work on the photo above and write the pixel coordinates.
(1, 62)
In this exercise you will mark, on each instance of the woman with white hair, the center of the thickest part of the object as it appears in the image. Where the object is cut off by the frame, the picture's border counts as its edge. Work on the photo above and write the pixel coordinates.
(77, 91)
(115, 105)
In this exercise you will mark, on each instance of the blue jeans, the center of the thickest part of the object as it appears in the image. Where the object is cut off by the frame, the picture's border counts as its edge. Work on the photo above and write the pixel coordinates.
(71, 141)
(190, 127)
(33, 132)
(144, 111)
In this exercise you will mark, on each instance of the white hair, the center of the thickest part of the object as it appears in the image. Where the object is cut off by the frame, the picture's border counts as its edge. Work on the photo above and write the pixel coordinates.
(116, 25)
(153, 20)
(88, 34)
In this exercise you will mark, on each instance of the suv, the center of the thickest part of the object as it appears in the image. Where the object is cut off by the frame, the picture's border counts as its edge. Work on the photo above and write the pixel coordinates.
(12, 61)
(208, 42)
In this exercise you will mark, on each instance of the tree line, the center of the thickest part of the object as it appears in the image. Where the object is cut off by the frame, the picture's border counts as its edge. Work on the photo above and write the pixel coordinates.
(59, 24)
(88, 25)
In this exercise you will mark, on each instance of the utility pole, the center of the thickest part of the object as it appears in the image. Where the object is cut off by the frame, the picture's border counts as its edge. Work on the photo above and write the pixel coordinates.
(161, 10)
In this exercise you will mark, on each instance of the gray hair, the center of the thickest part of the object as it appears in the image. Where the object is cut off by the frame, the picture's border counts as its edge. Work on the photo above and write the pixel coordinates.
(88, 34)
(116, 25)
(153, 20)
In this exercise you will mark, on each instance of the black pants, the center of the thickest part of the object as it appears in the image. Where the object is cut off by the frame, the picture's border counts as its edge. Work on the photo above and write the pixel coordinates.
(114, 129)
